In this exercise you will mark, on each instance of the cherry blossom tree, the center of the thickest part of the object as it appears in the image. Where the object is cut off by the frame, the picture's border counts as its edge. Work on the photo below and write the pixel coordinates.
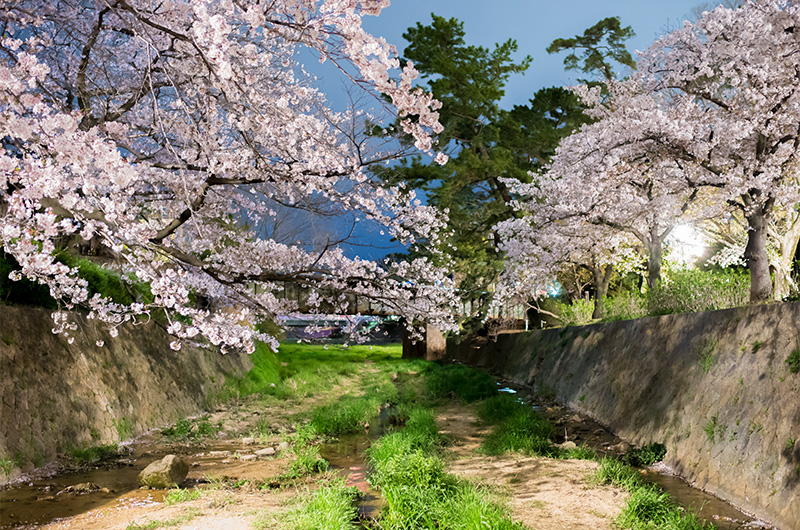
(732, 79)
(164, 130)
(543, 241)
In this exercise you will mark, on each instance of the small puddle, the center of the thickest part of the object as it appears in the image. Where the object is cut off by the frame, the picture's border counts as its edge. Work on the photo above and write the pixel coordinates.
(347, 455)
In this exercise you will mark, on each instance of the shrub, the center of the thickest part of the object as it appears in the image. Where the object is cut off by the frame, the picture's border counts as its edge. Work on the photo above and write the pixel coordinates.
(459, 381)
(692, 290)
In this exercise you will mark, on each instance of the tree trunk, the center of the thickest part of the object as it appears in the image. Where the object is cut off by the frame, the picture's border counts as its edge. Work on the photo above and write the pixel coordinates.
(756, 255)
(602, 278)
(787, 250)
(654, 262)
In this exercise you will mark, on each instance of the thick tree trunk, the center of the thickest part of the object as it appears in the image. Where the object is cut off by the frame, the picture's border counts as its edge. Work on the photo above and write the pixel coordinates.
(653, 262)
(654, 247)
(755, 253)
(787, 250)
(602, 278)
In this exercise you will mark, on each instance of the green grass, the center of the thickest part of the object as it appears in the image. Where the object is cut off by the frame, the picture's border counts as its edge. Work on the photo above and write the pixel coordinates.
(645, 456)
(460, 382)
(307, 461)
(176, 495)
(330, 507)
(648, 508)
(190, 430)
(92, 455)
(418, 492)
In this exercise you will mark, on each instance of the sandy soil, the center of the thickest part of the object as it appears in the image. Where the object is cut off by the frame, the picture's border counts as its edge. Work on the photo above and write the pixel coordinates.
(544, 494)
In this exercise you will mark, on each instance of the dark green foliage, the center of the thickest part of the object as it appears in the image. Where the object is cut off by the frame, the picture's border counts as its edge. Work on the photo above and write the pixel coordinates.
(645, 456)
(108, 283)
(793, 361)
(94, 454)
(186, 429)
(23, 292)
(459, 381)
(599, 47)
(485, 143)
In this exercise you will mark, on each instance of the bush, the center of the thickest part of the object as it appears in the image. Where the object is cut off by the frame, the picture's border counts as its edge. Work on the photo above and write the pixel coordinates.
(578, 313)
(691, 290)
(459, 381)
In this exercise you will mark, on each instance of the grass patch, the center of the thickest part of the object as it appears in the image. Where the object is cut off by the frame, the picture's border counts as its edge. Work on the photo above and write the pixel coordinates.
(648, 507)
(418, 492)
(459, 381)
(330, 507)
(92, 455)
(645, 456)
(177, 495)
(190, 430)
(307, 462)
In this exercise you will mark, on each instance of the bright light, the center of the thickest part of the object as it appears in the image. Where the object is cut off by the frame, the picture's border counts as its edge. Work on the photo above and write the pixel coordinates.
(687, 244)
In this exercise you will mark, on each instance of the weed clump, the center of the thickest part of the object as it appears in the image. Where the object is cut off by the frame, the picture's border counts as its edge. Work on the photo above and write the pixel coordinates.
(645, 456)
(793, 361)
(648, 507)
(459, 381)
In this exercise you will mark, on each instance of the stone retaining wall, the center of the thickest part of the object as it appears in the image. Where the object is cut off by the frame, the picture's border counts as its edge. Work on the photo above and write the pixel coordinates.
(714, 387)
(56, 396)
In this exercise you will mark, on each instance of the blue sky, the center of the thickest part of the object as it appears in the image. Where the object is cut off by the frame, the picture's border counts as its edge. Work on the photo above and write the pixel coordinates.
(534, 24)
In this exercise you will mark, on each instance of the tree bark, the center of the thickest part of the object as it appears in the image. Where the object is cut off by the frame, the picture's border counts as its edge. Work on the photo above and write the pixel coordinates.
(787, 250)
(654, 263)
(602, 278)
(755, 253)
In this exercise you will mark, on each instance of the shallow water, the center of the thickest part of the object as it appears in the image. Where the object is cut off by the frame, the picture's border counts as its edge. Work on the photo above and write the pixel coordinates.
(707, 507)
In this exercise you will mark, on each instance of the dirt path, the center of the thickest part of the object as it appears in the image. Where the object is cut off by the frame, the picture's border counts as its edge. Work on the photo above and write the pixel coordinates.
(545, 494)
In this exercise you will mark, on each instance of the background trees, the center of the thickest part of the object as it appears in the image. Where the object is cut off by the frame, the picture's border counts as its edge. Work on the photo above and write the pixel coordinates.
(166, 132)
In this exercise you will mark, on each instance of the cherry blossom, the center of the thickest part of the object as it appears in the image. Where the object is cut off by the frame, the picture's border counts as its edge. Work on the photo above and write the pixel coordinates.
(167, 131)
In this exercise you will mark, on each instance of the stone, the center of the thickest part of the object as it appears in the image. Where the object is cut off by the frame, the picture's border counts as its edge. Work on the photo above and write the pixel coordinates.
(83, 488)
(576, 419)
(249, 440)
(166, 473)
(621, 448)
(568, 445)
(267, 451)
(219, 454)
(248, 458)
(283, 446)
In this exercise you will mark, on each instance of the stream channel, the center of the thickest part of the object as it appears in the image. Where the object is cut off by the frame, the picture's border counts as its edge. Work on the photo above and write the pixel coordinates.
(33, 503)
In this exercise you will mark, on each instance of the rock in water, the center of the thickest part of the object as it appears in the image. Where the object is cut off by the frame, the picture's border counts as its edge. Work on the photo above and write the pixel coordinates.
(165, 473)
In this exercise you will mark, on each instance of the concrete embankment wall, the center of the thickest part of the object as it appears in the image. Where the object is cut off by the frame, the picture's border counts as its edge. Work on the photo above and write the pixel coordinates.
(714, 387)
(56, 396)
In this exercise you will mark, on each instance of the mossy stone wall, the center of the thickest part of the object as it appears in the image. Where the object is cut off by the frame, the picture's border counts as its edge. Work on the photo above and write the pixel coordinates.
(56, 395)
(714, 387)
